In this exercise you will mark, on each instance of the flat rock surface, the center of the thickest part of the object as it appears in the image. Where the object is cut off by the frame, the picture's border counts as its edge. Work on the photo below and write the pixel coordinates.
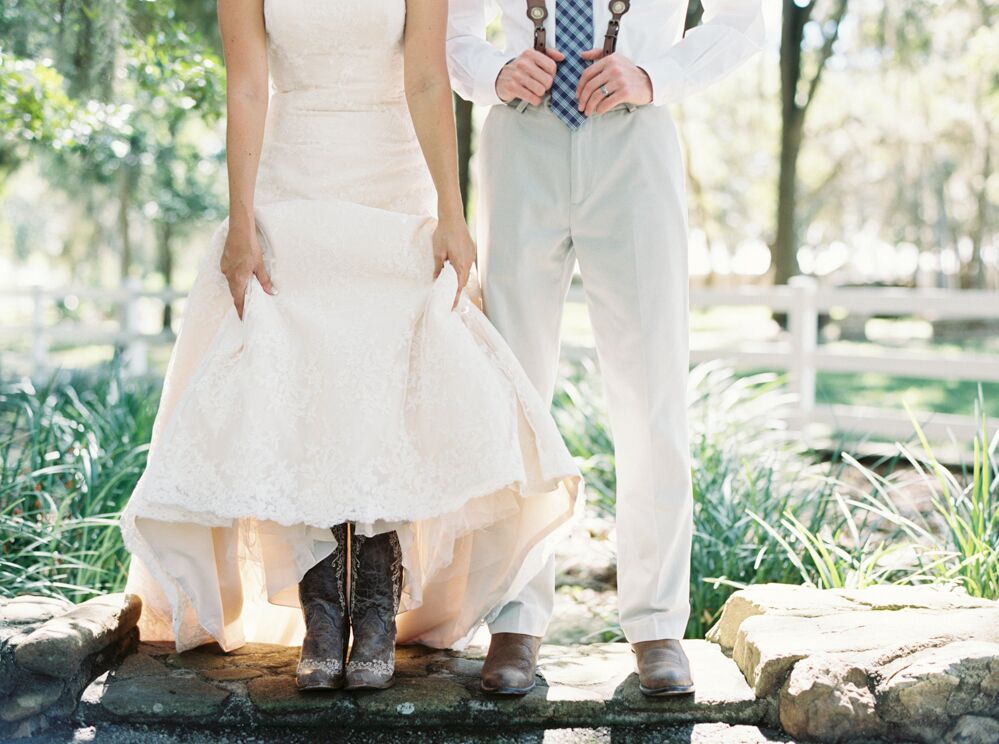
(767, 646)
(587, 686)
(787, 600)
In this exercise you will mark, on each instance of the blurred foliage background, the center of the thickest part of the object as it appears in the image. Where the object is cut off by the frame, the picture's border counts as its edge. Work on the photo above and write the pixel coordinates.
(859, 147)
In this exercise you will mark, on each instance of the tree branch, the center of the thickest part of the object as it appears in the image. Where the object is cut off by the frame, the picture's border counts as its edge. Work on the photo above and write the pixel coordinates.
(826, 52)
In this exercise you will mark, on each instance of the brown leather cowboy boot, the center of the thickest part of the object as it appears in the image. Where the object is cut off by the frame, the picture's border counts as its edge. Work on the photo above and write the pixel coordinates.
(663, 668)
(375, 589)
(510, 664)
(323, 596)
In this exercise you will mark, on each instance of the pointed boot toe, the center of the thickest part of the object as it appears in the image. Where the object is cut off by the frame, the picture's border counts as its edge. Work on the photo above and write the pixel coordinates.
(511, 664)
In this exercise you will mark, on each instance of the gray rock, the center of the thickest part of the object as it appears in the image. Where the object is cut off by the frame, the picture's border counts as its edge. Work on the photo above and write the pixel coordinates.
(974, 730)
(153, 699)
(922, 693)
(59, 647)
(430, 701)
(277, 698)
(34, 694)
(139, 665)
(829, 699)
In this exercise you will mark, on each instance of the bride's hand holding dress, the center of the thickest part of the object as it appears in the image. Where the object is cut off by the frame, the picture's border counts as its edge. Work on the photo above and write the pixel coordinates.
(453, 245)
(242, 259)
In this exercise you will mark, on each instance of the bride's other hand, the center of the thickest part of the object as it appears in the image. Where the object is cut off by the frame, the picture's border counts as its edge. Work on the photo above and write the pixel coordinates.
(241, 259)
(453, 244)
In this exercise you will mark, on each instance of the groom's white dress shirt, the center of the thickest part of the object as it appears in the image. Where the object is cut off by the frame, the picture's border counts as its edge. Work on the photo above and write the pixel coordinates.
(651, 36)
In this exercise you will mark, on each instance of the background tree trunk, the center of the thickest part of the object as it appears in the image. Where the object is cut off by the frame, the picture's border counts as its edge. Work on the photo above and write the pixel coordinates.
(165, 261)
(463, 121)
(124, 221)
(797, 93)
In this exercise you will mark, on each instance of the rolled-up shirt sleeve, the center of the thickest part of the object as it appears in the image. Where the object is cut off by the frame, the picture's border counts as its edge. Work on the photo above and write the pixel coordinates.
(731, 32)
(472, 61)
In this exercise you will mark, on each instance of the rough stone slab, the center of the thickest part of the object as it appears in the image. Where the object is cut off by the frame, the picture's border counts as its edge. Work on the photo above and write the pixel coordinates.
(19, 616)
(773, 599)
(974, 730)
(277, 697)
(889, 597)
(827, 698)
(32, 609)
(767, 646)
(587, 686)
(173, 697)
(37, 700)
(801, 601)
(60, 646)
(34, 694)
(922, 694)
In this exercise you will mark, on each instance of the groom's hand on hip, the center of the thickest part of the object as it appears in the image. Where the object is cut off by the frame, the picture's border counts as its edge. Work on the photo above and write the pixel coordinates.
(611, 80)
(529, 76)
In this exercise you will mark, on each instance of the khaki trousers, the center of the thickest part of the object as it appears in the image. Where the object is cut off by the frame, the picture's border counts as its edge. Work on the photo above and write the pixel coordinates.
(609, 195)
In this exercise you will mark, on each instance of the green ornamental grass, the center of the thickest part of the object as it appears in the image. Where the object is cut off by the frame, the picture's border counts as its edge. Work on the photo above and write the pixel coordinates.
(765, 508)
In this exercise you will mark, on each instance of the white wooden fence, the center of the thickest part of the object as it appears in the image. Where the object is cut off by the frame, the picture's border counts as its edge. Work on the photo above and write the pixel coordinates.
(800, 355)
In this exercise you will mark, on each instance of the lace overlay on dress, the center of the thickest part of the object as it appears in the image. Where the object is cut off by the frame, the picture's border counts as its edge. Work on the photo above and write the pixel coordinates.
(355, 394)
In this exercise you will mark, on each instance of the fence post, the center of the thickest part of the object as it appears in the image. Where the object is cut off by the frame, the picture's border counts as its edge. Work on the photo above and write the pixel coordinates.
(39, 336)
(135, 353)
(803, 325)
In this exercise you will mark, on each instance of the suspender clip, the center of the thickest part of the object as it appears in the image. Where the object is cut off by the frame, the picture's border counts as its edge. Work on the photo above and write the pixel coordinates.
(537, 12)
(617, 8)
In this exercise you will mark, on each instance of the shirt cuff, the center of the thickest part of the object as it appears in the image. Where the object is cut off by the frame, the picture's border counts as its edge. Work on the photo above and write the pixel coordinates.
(668, 80)
(485, 79)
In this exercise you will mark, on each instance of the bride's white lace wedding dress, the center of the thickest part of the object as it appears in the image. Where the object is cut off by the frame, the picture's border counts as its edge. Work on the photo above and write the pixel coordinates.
(354, 394)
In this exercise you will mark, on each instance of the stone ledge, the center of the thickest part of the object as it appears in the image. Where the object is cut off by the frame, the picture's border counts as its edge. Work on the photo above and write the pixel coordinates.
(587, 686)
(51, 649)
(910, 663)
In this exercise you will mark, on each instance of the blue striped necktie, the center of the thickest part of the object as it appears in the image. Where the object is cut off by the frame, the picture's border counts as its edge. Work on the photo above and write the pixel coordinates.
(573, 35)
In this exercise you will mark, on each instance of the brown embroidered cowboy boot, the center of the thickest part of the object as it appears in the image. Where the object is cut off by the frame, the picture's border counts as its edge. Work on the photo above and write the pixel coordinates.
(323, 596)
(375, 589)
(510, 664)
(663, 668)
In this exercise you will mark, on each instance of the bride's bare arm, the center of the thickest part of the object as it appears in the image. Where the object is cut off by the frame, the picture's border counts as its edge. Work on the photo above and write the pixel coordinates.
(428, 92)
(244, 43)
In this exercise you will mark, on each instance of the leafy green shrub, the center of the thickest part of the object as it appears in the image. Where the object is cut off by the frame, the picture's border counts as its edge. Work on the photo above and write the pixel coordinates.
(744, 463)
(951, 539)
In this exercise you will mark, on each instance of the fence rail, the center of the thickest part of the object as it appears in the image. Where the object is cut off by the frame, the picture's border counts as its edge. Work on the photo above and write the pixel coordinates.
(800, 355)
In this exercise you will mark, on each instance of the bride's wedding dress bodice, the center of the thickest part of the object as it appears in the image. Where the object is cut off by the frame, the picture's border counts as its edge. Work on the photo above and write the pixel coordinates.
(338, 126)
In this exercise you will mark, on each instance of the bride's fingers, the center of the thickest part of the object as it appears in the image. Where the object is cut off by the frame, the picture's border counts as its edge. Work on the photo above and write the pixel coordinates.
(238, 293)
(264, 278)
(463, 271)
(438, 265)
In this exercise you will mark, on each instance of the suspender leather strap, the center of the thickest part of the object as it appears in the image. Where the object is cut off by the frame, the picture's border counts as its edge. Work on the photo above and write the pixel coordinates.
(537, 12)
(617, 8)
